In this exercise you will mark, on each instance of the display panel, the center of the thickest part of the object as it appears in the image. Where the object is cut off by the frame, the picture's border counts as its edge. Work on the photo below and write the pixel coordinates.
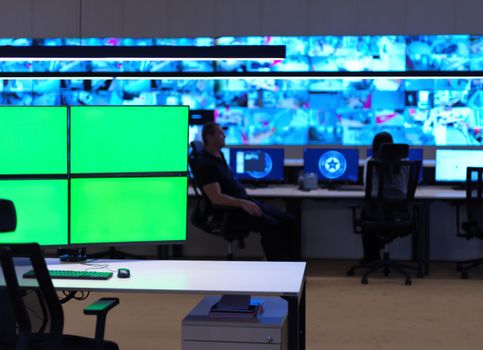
(114, 139)
(41, 207)
(332, 165)
(33, 140)
(124, 210)
(258, 164)
(451, 164)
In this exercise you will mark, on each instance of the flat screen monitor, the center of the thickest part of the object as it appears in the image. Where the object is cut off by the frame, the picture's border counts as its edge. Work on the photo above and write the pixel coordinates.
(41, 207)
(33, 140)
(127, 210)
(414, 154)
(258, 164)
(332, 165)
(127, 139)
(451, 164)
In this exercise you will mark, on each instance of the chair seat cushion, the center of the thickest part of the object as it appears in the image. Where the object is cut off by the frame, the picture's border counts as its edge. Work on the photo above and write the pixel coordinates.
(472, 230)
(72, 342)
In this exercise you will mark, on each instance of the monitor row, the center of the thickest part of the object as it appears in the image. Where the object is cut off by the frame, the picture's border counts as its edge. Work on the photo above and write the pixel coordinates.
(84, 211)
(340, 165)
(92, 139)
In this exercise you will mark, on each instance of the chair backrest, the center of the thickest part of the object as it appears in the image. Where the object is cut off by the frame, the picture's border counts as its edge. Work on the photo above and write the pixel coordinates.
(47, 293)
(390, 188)
(474, 197)
(200, 215)
(8, 216)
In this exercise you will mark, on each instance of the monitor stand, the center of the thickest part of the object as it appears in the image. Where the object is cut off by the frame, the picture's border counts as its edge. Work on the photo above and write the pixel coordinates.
(112, 253)
(74, 255)
(255, 185)
(459, 187)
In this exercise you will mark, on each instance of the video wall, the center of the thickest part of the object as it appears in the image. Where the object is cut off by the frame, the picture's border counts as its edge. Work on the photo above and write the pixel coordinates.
(95, 174)
(291, 101)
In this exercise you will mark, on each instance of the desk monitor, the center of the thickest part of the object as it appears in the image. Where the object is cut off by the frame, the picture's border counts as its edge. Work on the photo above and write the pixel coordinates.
(451, 164)
(127, 139)
(33, 140)
(332, 165)
(128, 210)
(414, 154)
(41, 206)
(258, 164)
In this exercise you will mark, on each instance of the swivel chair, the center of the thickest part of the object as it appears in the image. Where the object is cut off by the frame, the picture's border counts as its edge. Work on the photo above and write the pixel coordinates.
(53, 339)
(202, 216)
(473, 227)
(388, 210)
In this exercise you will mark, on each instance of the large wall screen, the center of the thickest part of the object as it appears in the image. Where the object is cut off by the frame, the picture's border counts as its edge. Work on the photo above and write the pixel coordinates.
(330, 90)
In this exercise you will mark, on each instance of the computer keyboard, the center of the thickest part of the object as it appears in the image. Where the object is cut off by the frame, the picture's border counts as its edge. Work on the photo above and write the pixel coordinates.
(75, 275)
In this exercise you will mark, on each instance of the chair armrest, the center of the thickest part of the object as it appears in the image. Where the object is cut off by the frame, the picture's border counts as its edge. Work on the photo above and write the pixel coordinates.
(101, 306)
(100, 309)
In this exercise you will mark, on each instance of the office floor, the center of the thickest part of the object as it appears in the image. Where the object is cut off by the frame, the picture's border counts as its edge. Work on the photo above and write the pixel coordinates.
(439, 312)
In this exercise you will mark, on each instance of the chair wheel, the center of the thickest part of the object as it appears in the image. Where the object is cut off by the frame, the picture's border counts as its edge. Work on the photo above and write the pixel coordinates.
(464, 275)
(408, 282)
(350, 273)
(364, 280)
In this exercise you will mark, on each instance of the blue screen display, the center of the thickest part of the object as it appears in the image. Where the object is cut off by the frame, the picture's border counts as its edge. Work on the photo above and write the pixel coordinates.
(258, 164)
(451, 164)
(332, 165)
(414, 154)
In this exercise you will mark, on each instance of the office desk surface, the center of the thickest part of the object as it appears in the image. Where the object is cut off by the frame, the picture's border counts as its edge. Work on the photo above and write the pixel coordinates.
(291, 191)
(205, 277)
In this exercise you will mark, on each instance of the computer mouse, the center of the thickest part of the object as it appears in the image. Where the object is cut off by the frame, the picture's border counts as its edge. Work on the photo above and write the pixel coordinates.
(123, 273)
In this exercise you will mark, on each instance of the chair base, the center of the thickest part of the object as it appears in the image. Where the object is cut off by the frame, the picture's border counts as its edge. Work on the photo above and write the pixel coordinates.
(467, 265)
(384, 265)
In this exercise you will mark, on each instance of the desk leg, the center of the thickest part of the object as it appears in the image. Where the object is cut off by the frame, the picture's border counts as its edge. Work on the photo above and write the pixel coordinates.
(296, 321)
(419, 241)
(425, 220)
(293, 206)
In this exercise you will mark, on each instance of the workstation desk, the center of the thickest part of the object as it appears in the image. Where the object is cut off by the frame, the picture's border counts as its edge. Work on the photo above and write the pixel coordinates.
(293, 197)
(282, 279)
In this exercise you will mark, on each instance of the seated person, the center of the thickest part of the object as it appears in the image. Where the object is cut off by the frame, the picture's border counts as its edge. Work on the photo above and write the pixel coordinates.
(218, 183)
(395, 187)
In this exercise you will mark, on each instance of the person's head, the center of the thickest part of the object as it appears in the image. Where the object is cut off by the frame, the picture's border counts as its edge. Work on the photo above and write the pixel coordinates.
(379, 139)
(213, 135)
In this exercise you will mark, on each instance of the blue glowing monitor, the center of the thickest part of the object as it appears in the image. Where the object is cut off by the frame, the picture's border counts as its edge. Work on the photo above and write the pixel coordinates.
(257, 164)
(332, 165)
(414, 154)
(451, 164)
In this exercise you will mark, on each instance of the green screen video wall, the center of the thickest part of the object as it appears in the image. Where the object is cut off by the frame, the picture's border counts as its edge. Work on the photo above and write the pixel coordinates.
(89, 175)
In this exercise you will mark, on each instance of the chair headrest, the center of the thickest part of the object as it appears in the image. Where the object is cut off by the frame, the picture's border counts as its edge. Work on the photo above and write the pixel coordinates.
(196, 147)
(8, 216)
(390, 152)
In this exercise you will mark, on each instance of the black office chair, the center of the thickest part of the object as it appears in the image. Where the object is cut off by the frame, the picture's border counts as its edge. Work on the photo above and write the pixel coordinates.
(202, 217)
(8, 216)
(388, 210)
(53, 337)
(473, 227)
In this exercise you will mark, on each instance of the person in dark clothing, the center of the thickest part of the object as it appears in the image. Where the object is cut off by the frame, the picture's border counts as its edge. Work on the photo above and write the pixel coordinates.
(220, 186)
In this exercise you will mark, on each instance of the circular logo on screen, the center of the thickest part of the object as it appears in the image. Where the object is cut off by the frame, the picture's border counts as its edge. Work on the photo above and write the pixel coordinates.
(261, 164)
(332, 164)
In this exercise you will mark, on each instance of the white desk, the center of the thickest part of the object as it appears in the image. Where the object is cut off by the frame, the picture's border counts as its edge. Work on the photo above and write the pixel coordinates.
(284, 279)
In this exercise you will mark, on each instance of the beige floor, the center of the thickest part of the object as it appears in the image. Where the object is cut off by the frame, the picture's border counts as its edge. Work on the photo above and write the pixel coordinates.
(440, 312)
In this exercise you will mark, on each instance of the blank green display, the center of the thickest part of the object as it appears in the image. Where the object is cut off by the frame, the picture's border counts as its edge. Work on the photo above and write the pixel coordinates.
(33, 140)
(122, 210)
(41, 207)
(112, 139)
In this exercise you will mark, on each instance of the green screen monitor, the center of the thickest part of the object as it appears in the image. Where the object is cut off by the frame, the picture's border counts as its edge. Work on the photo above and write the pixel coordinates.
(33, 140)
(128, 139)
(41, 207)
(127, 210)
